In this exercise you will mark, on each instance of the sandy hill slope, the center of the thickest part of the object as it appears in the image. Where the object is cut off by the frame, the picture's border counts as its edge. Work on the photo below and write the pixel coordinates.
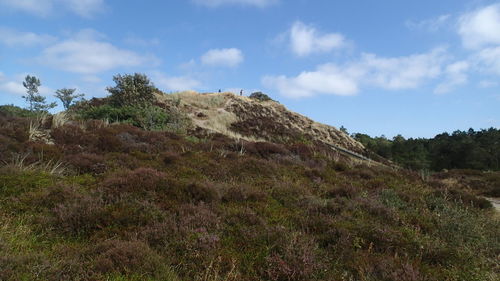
(253, 120)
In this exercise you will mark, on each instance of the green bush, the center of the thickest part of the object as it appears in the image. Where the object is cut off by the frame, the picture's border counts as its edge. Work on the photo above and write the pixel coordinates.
(10, 110)
(147, 117)
(132, 90)
(260, 96)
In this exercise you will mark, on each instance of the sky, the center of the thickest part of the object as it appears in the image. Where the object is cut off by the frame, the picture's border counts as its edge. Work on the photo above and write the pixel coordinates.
(387, 67)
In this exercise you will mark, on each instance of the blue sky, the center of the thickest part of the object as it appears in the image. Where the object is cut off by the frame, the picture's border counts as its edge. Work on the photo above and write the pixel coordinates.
(415, 68)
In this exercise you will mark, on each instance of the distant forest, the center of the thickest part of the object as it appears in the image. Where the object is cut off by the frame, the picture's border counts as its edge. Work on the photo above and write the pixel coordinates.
(470, 149)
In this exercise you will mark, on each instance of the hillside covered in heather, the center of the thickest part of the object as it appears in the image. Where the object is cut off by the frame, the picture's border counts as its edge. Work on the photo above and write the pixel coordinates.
(142, 185)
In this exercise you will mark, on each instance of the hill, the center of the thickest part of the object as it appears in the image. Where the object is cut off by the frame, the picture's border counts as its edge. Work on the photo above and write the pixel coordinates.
(255, 120)
(221, 187)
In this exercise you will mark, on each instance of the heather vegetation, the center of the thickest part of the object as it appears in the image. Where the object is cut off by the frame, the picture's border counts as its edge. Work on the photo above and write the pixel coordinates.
(97, 199)
(132, 204)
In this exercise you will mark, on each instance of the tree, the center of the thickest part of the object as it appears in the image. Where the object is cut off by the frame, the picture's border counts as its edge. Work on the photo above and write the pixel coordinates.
(33, 98)
(67, 96)
(260, 96)
(133, 90)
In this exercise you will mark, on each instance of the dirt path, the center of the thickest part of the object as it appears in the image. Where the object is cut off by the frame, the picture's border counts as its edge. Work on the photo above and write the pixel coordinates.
(495, 202)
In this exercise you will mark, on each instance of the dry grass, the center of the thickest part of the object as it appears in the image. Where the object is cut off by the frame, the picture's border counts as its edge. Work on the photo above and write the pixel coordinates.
(213, 105)
(204, 101)
(59, 119)
(19, 162)
(35, 126)
(213, 272)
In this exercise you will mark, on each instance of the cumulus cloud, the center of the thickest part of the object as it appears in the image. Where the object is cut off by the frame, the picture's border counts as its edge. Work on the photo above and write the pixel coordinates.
(223, 57)
(15, 86)
(397, 73)
(175, 83)
(216, 3)
(87, 54)
(456, 75)
(305, 40)
(400, 73)
(12, 38)
(84, 8)
(481, 27)
(326, 79)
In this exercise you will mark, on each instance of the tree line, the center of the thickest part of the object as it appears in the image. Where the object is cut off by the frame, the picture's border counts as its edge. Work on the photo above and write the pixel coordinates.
(470, 149)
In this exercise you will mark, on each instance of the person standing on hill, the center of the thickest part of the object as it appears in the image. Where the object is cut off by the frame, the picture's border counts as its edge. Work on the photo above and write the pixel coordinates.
(241, 93)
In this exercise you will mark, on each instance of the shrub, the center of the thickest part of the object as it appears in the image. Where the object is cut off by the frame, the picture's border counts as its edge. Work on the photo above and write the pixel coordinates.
(79, 215)
(45, 151)
(295, 260)
(88, 163)
(132, 90)
(243, 193)
(302, 150)
(260, 96)
(10, 110)
(70, 134)
(128, 257)
(148, 117)
(14, 128)
(469, 199)
(191, 227)
(138, 180)
(265, 149)
(207, 192)
(348, 191)
(170, 157)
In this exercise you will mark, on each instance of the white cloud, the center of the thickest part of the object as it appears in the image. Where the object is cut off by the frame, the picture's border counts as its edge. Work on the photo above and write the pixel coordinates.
(488, 60)
(37, 7)
(12, 38)
(326, 79)
(84, 8)
(481, 27)
(86, 54)
(175, 83)
(305, 40)
(397, 73)
(402, 72)
(455, 76)
(432, 25)
(15, 86)
(223, 57)
(216, 3)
